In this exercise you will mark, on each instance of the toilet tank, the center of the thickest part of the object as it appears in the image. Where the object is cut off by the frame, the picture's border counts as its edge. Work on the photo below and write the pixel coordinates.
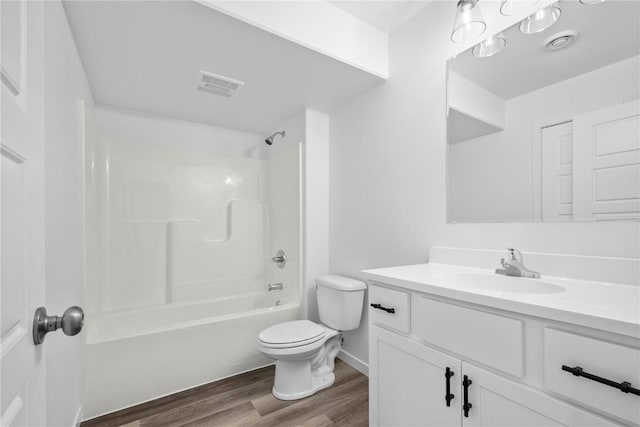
(340, 301)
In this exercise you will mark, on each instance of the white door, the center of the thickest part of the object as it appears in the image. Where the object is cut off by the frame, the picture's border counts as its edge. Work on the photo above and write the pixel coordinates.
(606, 157)
(407, 384)
(557, 172)
(22, 392)
(496, 401)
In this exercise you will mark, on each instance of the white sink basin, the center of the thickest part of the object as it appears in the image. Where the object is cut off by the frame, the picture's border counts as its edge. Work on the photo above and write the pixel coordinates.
(500, 283)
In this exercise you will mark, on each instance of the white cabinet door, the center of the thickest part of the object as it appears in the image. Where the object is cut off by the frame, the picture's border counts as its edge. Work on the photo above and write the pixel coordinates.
(22, 367)
(606, 163)
(557, 172)
(407, 383)
(497, 401)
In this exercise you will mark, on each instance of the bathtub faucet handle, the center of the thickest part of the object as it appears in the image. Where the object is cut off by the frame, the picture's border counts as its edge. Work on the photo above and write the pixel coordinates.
(279, 259)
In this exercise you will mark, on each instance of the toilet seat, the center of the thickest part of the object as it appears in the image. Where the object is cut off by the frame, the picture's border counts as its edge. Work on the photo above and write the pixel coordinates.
(296, 333)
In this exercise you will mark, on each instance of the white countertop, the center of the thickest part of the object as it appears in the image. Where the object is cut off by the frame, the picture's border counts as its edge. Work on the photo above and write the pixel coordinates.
(605, 306)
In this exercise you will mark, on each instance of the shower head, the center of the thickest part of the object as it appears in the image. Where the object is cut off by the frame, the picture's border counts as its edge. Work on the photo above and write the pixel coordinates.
(270, 138)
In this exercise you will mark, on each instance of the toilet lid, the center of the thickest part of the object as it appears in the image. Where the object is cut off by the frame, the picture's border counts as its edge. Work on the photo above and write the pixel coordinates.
(295, 333)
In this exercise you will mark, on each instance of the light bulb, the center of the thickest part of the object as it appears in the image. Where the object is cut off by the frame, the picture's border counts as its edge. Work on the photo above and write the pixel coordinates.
(541, 20)
(490, 46)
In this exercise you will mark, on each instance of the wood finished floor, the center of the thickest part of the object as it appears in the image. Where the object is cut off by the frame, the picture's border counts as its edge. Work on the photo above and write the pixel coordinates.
(246, 400)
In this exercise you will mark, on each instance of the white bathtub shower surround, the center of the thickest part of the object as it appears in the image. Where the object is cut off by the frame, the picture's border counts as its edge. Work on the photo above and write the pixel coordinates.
(135, 323)
(138, 356)
(154, 195)
(182, 222)
(171, 224)
(199, 267)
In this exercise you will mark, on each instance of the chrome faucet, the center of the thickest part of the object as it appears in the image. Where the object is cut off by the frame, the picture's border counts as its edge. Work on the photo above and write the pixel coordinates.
(280, 260)
(274, 287)
(513, 266)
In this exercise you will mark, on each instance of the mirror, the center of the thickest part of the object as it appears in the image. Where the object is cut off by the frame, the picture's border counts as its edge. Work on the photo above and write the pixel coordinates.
(548, 128)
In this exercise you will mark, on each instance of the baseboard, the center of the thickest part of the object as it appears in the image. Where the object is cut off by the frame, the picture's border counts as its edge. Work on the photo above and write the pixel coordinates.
(354, 362)
(78, 419)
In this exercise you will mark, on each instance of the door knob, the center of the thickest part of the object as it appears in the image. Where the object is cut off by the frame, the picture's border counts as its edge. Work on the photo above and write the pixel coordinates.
(71, 323)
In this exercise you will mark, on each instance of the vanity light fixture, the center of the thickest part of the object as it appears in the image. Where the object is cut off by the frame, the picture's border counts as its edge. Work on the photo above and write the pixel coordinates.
(490, 46)
(469, 22)
(541, 20)
(516, 7)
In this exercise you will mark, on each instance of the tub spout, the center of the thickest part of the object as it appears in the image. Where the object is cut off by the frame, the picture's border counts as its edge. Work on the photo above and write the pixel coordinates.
(274, 287)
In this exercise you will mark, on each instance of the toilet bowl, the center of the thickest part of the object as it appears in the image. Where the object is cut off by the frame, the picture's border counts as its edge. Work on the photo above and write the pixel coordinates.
(305, 351)
(305, 354)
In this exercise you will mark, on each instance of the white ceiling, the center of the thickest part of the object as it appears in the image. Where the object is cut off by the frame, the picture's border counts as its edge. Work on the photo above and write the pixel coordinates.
(386, 15)
(608, 32)
(145, 56)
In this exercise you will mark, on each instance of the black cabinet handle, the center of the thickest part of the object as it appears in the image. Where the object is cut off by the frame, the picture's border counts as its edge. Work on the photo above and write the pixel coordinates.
(381, 307)
(448, 396)
(624, 386)
(466, 382)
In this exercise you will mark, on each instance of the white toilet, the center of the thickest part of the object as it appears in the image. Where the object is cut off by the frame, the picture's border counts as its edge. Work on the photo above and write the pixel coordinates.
(305, 351)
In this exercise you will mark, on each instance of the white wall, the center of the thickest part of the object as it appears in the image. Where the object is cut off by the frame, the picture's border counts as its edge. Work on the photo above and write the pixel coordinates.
(388, 171)
(490, 177)
(316, 205)
(65, 84)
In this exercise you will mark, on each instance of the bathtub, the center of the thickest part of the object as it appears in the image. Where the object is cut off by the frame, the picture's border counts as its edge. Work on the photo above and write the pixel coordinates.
(138, 355)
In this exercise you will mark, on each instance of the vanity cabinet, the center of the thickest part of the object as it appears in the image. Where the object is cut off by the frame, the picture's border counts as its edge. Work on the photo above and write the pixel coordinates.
(497, 401)
(408, 385)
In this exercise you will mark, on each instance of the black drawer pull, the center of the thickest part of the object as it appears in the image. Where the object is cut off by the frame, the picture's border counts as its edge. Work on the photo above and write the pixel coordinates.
(381, 307)
(466, 382)
(624, 386)
(448, 396)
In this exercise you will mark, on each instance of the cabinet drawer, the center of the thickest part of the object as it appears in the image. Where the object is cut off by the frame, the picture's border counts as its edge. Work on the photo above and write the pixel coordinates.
(391, 300)
(603, 359)
(494, 340)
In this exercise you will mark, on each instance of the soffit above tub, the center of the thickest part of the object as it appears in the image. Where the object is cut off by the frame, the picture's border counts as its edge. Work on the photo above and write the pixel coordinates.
(386, 15)
(147, 56)
(318, 25)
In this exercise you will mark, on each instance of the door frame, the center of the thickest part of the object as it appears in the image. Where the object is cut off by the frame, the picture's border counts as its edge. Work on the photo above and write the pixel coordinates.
(536, 163)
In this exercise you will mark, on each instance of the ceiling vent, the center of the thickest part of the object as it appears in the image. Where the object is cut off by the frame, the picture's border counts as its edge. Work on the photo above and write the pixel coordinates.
(559, 41)
(218, 85)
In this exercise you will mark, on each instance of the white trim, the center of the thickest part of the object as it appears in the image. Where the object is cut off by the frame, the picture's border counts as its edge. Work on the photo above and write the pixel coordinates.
(78, 419)
(354, 362)
(10, 338)
(12, 410)
(536, 155)
(9, 82)
(12, 155)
